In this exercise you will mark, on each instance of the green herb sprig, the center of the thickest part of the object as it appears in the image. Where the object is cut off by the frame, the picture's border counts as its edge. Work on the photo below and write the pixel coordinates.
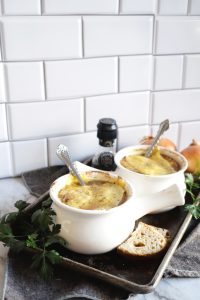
(193, 189)
(37, 231)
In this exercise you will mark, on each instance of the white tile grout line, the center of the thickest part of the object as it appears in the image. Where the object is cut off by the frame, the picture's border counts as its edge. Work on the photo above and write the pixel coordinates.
(179, 136)
(5, 87)
(154, 42)
(91, 131)
(82, 38)
(11, 155)
(84, 115)
(8, 121)
(96, 14)
(5, 16)
(2, 7)
(5, 84)
(119, 7)
(153, 73)
(158, 7)
(98, 57)
(48, 157)
(46, 152)
(87, 132)
(44, 81)
(2, 50)
(118, 75)
(67, 98)
(151, 107)
(183, 73)
(188, 7)
(41, 7)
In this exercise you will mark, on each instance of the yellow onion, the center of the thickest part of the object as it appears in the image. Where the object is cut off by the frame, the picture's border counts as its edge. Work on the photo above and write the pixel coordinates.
(192, 154)
(164, 142)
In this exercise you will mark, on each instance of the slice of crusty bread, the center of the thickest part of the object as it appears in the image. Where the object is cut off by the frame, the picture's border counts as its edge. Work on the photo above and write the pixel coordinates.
(145, 241)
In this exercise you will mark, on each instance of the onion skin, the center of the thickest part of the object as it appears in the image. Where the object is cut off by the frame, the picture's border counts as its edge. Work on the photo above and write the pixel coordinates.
(192, 154)
(163, 142)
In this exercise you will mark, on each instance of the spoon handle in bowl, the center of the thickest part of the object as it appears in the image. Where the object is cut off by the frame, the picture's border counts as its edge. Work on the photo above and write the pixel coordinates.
(162, 128)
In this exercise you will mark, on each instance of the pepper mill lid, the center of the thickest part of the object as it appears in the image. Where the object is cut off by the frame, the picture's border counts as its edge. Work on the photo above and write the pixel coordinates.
(107, 129)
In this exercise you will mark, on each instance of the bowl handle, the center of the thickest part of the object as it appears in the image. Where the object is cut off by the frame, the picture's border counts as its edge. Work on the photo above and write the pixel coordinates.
(171, 196)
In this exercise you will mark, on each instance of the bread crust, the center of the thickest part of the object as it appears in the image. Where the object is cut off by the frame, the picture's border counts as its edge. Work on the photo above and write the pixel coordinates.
(128, 249)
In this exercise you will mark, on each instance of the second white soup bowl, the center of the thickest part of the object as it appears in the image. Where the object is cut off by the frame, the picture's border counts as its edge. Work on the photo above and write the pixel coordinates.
(148, 184)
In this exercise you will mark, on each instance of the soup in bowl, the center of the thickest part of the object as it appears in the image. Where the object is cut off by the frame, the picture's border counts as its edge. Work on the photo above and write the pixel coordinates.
(98, 217)
(163, 169)
(159, 163)
(100, 192)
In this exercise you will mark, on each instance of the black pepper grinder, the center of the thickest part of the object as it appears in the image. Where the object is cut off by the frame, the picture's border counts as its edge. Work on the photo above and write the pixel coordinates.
(107, 135)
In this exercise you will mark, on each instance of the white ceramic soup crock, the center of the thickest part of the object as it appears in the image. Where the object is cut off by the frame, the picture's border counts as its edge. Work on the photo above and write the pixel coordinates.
(147, 184)
(99, 231)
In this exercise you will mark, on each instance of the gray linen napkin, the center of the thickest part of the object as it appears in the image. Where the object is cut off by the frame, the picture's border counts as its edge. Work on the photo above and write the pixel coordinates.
(185, 262)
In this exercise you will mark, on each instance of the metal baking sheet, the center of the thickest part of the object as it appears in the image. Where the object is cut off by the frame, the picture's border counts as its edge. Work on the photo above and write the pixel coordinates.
(134, 276)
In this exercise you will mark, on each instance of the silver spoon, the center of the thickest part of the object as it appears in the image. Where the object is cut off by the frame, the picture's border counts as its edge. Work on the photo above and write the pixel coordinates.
(162, 128)
(63, 153)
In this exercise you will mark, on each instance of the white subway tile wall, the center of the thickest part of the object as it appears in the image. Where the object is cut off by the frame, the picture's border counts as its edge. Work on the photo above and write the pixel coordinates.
(185, 133)
(74, 78)
(33, 120)
(175, 35)
(128, 109)
(135, 73)
(80, 7)
(0, 39)
(28, 149)
(118, 35)
(2, 83)
(173, 7)
(192, 71)
(77, 145)
(165, 65)
(138, 6)
(21, 7)
(67, 63)
(36, 38)
(3, 124)
(131, 135)
(178, 106)
(194, 7)
(6, 162)
(24, 81)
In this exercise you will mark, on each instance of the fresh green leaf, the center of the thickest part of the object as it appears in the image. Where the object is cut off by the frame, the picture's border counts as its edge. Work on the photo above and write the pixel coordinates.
(43, 218)
(194, 210)
(197, 200)
(192, 186)
(53, 256)
(189, 179)
(9, 218)
(20, 205)
(31, 241)
(55, 240)
(37, 260)
(46, 270)
(19, 230)
(47, 203)
(55, 229)
(5, 230)
(41, 263)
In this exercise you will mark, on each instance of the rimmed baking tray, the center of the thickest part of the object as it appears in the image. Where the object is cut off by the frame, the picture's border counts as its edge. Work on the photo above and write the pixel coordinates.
(134, 276)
